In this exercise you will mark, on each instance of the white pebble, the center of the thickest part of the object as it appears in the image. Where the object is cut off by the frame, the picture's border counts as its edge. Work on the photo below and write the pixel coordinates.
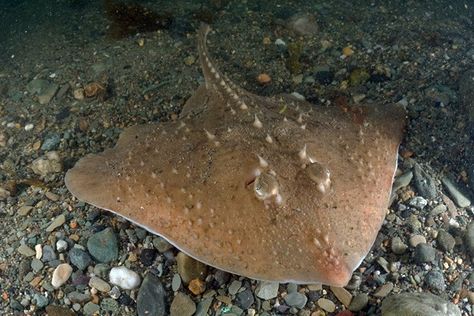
(61, 245)
(61, 274)
(280, 42)
(29, 127)
(39, 251)
(124, 278)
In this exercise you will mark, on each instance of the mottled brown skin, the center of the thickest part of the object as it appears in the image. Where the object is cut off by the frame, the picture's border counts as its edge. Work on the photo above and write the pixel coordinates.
(195, 181)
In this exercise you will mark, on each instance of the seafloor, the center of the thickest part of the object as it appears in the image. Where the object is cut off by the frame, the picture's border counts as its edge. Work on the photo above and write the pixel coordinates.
(71, 79)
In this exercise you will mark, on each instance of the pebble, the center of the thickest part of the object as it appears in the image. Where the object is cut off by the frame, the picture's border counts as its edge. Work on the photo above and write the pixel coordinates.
(148, 256)
(41, 301)
(267, 290)
(414, 223)
(91, 309)
(434, 279)
(189, 60)
(61, 274)
(264, 79)
(176, 282)
(343, 295)
(397, 246)
(221, 277)
(48, 254)
(280, 42)
(418, 202)
(43, 89)
(296, 299)
(327, 305)
(359, 302)
(182, 305)
(197, 286)
(384, 290)
(438, 209)
(51, 142)
(101, 270)
(234, 287)
(61, 245)
(124, 278)
(414, 304)
(4, 194)
(303, 24)
(460, 199)
(203, 307)
(245, 299)
(109, 305)
(24, 210)
(43, 166)
(424, 183)
(79, 258)
(417, 239)
(402, 181)
(161, 244)
(445, 241)
(115, 292)
(78, 297)
(189, 268)
(57, 222)
(103, 246)
(469, 239)
(424, 253)
(26, 251)
(36, 265)
(54, 310)
(99, 284)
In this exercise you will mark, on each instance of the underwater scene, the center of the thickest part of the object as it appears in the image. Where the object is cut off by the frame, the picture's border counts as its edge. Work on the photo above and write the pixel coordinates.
(238, 158)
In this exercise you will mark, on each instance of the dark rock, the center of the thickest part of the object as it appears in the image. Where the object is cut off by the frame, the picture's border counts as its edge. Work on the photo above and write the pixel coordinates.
(221, 277)
(103, 246)
(48, 254)
(151, 297)
(435, 280)
(147, 256)
(424, 253)
(245, 299)
(79, 258)
(324, 75)
(126, 300)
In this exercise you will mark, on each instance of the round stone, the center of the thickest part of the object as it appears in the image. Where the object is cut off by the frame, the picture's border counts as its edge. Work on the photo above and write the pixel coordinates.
(61, 274)
(124, 278)
(296, 299)
(413, 304)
